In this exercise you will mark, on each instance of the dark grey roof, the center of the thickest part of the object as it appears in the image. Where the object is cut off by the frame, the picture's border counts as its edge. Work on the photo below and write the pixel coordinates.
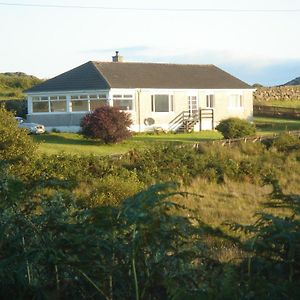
(84, 77)
(103, 75)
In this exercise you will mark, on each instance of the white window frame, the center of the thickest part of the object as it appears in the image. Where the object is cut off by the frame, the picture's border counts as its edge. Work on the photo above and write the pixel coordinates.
(236, 101)
(171, 107)
(210, 100)
(32, 98)
(116, 95)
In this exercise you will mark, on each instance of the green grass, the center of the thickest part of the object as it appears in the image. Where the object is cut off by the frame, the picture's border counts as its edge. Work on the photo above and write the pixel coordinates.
(265, 125)
(73, 143)
(280, 103)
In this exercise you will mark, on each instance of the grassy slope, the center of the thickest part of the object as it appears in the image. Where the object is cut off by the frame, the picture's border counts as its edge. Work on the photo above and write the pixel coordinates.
(12, 85)
(76, 144)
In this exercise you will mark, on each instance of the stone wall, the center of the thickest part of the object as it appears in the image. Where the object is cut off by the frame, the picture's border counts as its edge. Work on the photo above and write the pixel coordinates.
(277, 93)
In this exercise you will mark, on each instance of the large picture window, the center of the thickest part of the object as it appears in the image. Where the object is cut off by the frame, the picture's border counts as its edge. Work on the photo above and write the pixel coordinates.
(123, 102)
(45, 104)
(39, 105)
(58, 103)
(87, 102)
(162, 103)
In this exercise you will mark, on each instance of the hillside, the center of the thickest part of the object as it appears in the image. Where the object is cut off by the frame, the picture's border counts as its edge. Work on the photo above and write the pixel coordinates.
(12, 85)
(295, 81)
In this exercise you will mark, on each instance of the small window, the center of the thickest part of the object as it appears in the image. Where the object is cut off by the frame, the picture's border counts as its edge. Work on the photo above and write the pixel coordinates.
(123, 104)
(44, 98)
(236, 101)
(210, 101)
(162, 103)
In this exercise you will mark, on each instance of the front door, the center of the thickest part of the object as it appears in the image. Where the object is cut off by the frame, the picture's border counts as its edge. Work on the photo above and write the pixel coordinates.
(193, 105)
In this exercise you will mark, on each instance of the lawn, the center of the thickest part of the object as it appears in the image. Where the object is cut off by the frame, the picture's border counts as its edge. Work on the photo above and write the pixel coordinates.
(74, 143)
(265, 125)
(280, 103)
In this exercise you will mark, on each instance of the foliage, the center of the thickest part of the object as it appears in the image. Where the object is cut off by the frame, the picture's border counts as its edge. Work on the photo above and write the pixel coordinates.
(108, 124)
(272, 268)
(139, 250)
(286, 143)
(12, 85)
(19, 107)
(16, 146)
(235, 128)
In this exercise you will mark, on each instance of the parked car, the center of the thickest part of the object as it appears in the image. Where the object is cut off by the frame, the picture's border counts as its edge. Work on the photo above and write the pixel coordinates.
(31, 127)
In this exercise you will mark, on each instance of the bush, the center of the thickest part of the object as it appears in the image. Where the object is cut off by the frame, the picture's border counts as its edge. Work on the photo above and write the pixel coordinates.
(15, 144)
(286, 142)
(235, 128)
(108, 124)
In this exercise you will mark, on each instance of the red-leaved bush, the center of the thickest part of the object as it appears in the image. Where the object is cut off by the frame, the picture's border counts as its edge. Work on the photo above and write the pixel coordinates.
(107, 123)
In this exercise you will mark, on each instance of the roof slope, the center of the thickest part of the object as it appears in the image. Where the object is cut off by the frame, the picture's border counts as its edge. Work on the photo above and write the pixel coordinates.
(84, 77)
(154, 75)
(103, 75)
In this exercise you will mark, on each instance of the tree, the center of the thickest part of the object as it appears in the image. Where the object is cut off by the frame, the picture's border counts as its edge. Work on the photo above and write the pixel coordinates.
(15, 144)
(108, 124)
(235, 128)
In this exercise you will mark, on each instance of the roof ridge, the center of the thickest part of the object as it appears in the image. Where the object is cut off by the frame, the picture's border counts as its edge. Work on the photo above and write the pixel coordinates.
(100, 73)
(151, 63)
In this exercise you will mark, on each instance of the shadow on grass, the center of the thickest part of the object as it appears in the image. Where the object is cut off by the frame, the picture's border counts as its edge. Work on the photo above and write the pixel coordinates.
(62, 140)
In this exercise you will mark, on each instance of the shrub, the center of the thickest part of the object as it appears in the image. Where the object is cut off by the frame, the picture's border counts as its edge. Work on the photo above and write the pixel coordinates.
(235, 128)
(286, 142)
(108, 124)
(15, 144)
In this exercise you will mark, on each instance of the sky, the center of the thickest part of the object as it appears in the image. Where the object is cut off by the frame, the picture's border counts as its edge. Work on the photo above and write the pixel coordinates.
(256, 46)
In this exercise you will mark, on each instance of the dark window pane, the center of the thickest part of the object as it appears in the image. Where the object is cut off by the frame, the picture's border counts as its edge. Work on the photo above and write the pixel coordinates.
(161, 103)
(80, 105)
(58, 106)
(40, 106)
(123, 104)
(97, 103)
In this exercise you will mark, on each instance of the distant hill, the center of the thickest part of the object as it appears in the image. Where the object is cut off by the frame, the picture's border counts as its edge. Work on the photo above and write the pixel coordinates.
(12, 85)
(295, 81)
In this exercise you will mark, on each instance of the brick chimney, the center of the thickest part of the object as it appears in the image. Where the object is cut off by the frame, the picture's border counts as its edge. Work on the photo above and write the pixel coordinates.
(117, 57)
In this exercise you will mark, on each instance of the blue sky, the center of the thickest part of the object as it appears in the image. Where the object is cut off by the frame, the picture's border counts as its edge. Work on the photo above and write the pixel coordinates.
(259, 47)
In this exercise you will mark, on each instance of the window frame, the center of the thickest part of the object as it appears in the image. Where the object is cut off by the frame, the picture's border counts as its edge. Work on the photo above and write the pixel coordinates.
(171, 107)
(210, 100)
(118, 96)
(236, 101)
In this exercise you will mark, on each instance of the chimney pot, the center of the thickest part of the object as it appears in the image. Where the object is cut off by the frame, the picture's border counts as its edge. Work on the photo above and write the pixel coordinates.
(117, 57)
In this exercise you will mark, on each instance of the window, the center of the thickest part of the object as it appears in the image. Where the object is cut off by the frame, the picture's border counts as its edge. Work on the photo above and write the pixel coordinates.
(210, 101)
(58, 103)
(40, 104)
(80, 103)
(87, 102)
(236, 101)
(162, 103)
(123, 102)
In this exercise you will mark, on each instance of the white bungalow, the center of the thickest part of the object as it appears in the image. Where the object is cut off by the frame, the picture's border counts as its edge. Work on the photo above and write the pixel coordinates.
(169, 96)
